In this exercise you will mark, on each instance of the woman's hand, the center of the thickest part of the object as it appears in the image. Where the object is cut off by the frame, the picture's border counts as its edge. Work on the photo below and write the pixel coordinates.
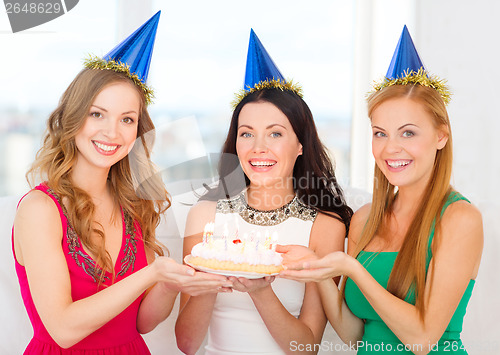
(294, 256)
(243, 284)
(332, 265)
(182, 278)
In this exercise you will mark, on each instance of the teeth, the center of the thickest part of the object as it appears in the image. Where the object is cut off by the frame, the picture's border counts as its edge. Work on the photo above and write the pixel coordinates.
(398, 164)
(107, 148)
(262, 163)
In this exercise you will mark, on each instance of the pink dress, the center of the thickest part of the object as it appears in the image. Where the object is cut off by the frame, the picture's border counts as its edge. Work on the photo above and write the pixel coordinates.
(118, 336)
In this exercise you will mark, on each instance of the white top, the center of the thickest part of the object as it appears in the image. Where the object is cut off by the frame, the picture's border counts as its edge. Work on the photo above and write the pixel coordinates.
(236, 326)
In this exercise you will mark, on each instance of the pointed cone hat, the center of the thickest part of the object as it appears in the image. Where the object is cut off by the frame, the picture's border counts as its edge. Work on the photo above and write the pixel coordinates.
(132, 56)
(137, 49)
(406, 68)
(260, 66)
(262, 73)
(405, 58)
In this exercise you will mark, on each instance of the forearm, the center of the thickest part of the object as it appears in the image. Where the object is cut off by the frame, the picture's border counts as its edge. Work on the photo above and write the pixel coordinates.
(81, 318)
(401, 317)
(155, 307)
(193, 321)
(283, 327)
(348, 327)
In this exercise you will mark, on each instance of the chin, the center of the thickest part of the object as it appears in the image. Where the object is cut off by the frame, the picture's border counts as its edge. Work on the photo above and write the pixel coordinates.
(264, 181)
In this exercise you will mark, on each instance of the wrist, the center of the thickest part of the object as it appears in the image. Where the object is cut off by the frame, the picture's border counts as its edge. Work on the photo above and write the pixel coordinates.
(260, 292)
(352, 267)
(151, 274)
(163, 281)
(167, 288)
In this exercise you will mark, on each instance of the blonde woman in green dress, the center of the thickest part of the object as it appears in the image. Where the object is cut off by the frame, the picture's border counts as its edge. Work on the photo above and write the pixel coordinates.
(413, 253)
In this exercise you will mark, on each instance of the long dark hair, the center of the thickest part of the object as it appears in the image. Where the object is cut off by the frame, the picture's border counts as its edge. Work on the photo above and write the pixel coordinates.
(314, 177)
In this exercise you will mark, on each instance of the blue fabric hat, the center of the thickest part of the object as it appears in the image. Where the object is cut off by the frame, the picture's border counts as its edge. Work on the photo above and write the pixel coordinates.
(260, 66)
(405, 58)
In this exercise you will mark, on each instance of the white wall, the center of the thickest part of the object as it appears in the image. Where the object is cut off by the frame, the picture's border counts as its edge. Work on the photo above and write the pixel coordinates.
(459, 41)
(378, 25)
(456, 40)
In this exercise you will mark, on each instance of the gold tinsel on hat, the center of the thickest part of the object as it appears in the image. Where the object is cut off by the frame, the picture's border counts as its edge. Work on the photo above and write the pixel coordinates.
(94, 62)
(421, 78)
(267, 84)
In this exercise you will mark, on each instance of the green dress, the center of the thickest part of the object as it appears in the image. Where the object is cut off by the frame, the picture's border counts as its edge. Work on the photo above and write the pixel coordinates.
(377, 337)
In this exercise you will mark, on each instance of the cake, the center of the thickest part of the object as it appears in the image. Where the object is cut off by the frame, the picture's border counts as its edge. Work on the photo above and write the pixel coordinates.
(250, 254)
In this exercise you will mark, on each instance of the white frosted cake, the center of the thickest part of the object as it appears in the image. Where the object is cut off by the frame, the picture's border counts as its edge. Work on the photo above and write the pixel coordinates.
(254, 254)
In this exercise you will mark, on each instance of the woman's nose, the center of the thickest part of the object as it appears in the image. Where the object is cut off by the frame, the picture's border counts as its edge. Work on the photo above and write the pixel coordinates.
(110, 128)
(393, 145)
(260, 145)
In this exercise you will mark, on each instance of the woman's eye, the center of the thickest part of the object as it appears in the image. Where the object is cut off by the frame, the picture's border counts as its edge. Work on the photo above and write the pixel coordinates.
(378, 134)
(408, 134)
(276, 134)
(128, 120)
(96, 114)
(245, 135)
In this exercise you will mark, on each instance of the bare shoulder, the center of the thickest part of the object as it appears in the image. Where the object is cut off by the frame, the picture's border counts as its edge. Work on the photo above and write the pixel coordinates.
(462, 209)
(203, 210)
(461, 236)
(462, 218)
(358, 221)
(327, 234)
(200, 214)
(36, 206)
(203, 207)
(361, 215)
(333, 224)
(37, 226)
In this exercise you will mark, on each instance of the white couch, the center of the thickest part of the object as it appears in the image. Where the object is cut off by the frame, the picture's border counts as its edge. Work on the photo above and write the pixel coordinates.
(481, 328)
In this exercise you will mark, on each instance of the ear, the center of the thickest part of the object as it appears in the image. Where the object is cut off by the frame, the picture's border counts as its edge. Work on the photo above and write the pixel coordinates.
(442, 138)
(300, 150)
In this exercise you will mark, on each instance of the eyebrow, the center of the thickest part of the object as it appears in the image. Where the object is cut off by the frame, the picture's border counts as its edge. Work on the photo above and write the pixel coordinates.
(400, 128)
(103, 109)
(405, 125)
(268, 127)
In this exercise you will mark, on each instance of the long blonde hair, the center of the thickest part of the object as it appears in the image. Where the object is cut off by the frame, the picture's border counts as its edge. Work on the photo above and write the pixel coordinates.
(54, 162)
(409, 271)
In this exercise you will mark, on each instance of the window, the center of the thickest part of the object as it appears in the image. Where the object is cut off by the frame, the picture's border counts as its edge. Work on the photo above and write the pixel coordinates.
(198, 65)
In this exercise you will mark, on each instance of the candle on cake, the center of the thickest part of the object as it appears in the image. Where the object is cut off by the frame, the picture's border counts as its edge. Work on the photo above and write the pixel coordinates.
(225, 235)
(274, 241)
(208, 232)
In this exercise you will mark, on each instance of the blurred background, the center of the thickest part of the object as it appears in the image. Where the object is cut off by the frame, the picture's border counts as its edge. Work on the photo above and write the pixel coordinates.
(198, 64)
(334, 48)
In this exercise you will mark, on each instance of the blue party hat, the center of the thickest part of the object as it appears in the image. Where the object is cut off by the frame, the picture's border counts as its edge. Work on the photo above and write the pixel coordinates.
(261, 72)
(406, 68)
(137, 49)
(405, 58)
(260, 66)
(132, 56)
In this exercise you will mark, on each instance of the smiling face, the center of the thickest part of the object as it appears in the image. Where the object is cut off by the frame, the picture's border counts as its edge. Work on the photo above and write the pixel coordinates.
(110, 129)
(405, 141)
(266, 145)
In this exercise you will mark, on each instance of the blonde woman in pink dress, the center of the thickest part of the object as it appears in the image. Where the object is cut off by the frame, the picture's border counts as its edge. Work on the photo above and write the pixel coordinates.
(84, 240)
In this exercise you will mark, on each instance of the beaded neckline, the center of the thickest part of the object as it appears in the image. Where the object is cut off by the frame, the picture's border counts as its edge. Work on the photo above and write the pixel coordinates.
(85, 261)
(238, 204)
